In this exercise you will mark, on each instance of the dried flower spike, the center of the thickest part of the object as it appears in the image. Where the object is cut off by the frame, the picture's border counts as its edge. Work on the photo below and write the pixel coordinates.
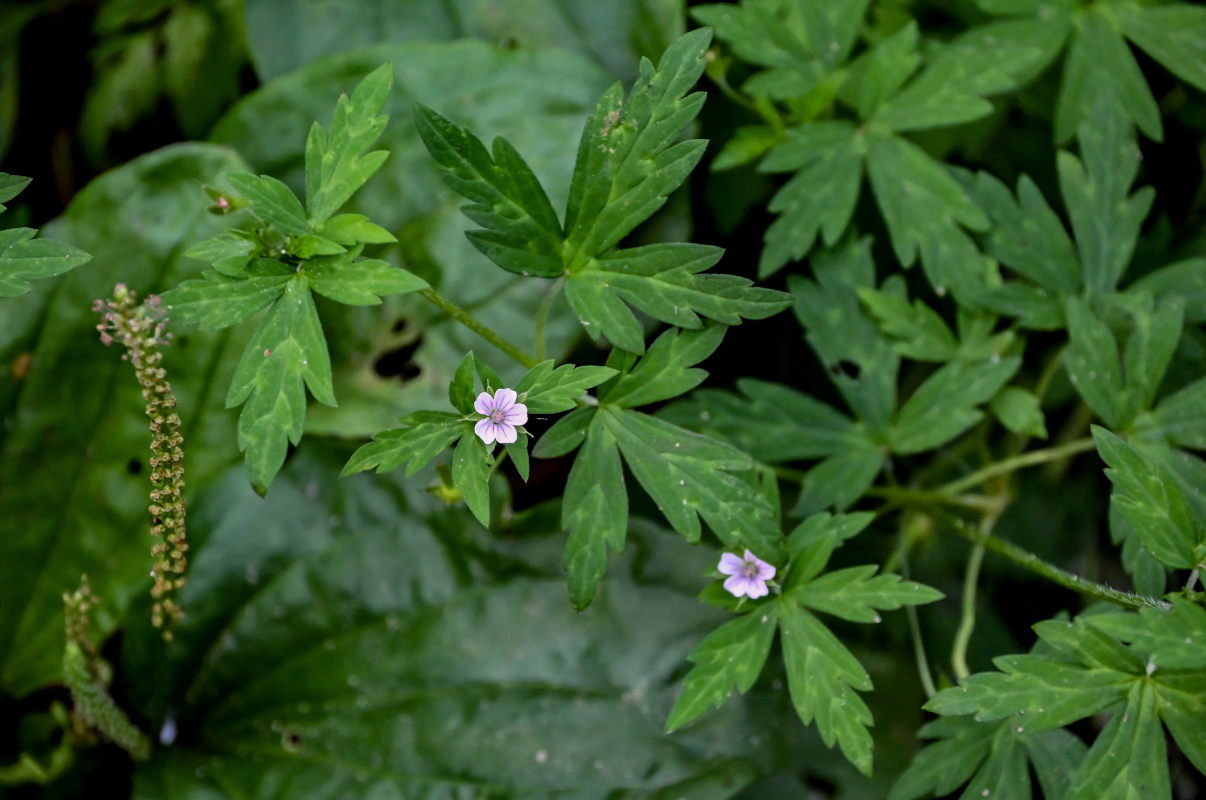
(141, 329)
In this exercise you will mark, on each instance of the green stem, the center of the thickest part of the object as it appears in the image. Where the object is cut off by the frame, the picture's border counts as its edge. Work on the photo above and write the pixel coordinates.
(1015, 463)
(923, 663)
(542, 315)
(1030, 561)
(469, 321)
(967, 619)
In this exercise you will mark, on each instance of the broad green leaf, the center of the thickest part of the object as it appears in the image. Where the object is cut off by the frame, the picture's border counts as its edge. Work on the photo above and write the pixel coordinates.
(819, 198)
(424, 436)
(549, 391)
(748, 143)
(1077, 642)
(306, 646)
(944, 765)
(1105, 218)
(359, 281)
(1149, 575)
(729, 657)
(822, 676)
(946, 404)
(861, 363)
(1150, 346)
(1147, 492)
(1055, 757)
(689, 476)
(919, 331)
(840, 479)
(338, 163)
(461, 394)
(921, 203)
(771, 422)
(81, 395)
(22, 257)
(766, 34)
(520, 230)
(471, 474)
(813, 541)
(602, 313)
(1182, 709)
(1027, 236)
(876, 75)
(1128, 760)
(287, 349)
(1093, 364)
(10, 187)
(353, 229)
(594, 510)
(216, 301)
(855, 593)
(938, 97)
(1100, 69)
(272, 201)
(628, 161)
(1019, 411)
(1173, 639)
(517, 451)
(1174, 35)
(230, 252)
(284, 35)
(667, 369)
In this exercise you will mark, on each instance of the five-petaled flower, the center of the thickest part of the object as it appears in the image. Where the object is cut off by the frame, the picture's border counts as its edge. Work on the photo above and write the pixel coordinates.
(747, 575)
(502, 414)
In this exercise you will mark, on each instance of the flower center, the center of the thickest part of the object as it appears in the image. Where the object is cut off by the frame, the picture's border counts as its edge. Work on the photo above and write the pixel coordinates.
(497, 416)
(749, 569)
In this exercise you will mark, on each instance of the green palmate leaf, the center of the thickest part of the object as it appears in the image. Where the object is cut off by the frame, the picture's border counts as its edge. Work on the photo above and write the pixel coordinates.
(1104, 216)
(689, 475)
(822, 674)
(664, 281)
(1179, 418)
(517, 451)
(549, 391)
(359, 281)
(1182, 709)
(820, 197)
(628, 161)
(844, 337)
(1149, 495)
(566, 434)
(338, 164)
(1093, 363)
(1184, 279)
(230, 252)
(856, 592)
(667, 369)
(1128, 759)
(840, 480)
(272, 201)
(1019, 410)
(813, 541)
(1170, 640)
(520, 230)
(919, 331)
(923, 207)
(1027, 236)
(993, 757)
(218, 301)
(424, 436)
(1173, 35)
(351, 229)
(1100, 67)
(729, 657)
(1151, 344)
(881, 71)
(286, 350)
(595, 512)
(22, 258)
(946, 404)
(769, 421)
(460, 389)
(471, 474)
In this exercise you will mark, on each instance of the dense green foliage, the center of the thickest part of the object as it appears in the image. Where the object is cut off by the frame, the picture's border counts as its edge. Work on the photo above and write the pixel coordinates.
(632, 240)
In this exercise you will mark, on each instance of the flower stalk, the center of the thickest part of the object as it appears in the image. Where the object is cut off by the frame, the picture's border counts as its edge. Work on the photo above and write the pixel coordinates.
(141, 330)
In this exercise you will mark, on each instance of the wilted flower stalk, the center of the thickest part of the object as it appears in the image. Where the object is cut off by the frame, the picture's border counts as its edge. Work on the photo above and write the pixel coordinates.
(141, 330)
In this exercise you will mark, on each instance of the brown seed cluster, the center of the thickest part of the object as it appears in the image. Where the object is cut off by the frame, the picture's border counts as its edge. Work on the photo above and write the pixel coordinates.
(141, 329)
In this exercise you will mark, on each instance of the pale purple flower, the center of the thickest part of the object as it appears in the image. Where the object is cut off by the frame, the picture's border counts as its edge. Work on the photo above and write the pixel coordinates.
(502, 414)
(747, 576)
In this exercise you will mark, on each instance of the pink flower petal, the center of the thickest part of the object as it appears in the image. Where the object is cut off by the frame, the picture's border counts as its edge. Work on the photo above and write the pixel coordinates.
(735, 585)
(485, 430)
(756, 588)
(729, 564)
(516, 414)
(765, 571)
(504, 399)
(506, 433)
(484, 404)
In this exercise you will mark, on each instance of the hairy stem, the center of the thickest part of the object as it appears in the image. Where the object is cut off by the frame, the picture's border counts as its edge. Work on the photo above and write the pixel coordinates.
(469, 321)
(1015, 463)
